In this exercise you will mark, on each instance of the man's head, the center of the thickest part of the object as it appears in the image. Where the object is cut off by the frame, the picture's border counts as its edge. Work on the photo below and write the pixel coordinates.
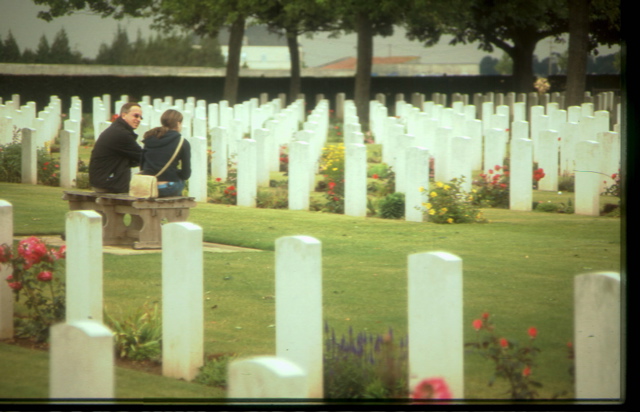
(132, 114)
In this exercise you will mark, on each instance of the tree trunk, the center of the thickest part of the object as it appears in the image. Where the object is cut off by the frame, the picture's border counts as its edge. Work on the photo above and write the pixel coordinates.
(294, 53)
(578, 51)
(232, 78)
(363, 69)
(522, 56)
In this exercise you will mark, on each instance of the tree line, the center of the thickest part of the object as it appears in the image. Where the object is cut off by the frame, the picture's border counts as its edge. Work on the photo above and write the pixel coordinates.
(514, 26)
(159, 50)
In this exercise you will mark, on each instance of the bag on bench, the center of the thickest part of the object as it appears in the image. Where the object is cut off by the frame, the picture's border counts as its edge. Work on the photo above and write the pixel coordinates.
(147, 185)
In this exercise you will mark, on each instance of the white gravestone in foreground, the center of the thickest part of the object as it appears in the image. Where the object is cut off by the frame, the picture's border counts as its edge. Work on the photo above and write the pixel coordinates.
(6, 294)
(182, 300)
(84, 266)
(266, 377)
(81, 361)
(597, 334)
(436, 346)
(299, 307)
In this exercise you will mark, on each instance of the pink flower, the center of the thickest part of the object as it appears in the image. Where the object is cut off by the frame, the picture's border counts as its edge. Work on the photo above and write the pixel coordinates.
(432, 388)
(45, 276)
(533, 332)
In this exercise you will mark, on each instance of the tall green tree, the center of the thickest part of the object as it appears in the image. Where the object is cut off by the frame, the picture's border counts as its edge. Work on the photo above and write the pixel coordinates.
(60, 51)
(43, 52)
(203, 17)
(591, 22)
(367, 19)
(10, 50)
(295, 18)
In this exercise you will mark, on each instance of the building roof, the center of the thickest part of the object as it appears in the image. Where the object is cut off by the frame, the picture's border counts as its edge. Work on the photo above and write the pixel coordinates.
(349, 63)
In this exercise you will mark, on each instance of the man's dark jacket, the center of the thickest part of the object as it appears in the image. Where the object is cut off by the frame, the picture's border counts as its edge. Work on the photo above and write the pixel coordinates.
(113, 156)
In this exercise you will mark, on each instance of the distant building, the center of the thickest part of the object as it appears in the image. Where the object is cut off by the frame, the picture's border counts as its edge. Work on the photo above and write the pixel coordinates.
(404, 66)
(261, 49)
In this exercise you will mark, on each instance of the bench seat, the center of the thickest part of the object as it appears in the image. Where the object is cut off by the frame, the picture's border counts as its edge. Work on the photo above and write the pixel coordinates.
(144, 231)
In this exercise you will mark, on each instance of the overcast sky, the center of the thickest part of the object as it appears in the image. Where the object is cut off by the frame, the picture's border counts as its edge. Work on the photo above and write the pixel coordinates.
(87, 32)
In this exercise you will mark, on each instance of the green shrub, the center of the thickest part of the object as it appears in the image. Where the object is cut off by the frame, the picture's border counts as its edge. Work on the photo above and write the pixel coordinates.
(392, 206)
(214, 370)
(276, 198)
(48, 168)
(139, 336)
(364, 366)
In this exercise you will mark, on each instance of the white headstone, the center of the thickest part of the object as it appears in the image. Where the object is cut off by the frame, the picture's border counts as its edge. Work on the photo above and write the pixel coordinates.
(436, 345)
(29, 165)
(84, 266)
(597, 336)
(81, 361)
(6, 294)
(299, 182)
(266, 377)
(417, 177)
(588, 178)
(198, 179)
(182, 300)
(355, 190)
(521, 175)
(247, 173)
(299, 307)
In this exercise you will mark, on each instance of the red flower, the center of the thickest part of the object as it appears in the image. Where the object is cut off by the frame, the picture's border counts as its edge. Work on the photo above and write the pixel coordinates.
(497, 167)
(45, 276)
(526, 371)
(490, 171)
(477, 324)
(504, 343)
(332, 185)
(485, 315)
(218, 179)
(32, 249)
(375, 176)
(5, 254)
(432, 388)
(15, 285)
(533, 332)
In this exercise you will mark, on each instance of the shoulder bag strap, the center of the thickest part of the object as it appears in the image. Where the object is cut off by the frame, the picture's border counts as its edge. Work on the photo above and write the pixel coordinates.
(172, 157)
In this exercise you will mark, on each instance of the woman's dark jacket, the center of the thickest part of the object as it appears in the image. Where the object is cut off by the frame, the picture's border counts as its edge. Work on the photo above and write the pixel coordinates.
(157, 152)
(114, 154)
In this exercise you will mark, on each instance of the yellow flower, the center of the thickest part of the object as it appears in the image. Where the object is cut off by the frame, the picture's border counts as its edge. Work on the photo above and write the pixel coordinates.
(432, 211)
(433, 194)
(449, 220)
(427, 205)
(447, 187)
(439, 184)
(421, 189)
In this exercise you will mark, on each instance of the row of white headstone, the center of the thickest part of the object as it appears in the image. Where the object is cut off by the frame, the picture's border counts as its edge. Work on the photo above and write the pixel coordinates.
(576, 141)
(82, 353)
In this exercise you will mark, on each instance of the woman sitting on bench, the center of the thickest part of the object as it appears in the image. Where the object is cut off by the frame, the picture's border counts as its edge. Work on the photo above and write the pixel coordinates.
(160, 145)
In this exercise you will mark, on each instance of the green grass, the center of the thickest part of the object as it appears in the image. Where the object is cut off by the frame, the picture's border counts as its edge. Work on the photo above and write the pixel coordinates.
(519, 267)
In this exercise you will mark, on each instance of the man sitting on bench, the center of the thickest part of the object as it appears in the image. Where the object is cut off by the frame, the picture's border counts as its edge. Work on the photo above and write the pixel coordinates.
(116, 152)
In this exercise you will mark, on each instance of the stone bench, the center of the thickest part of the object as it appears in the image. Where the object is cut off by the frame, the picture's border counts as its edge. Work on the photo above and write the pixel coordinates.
(144, 231)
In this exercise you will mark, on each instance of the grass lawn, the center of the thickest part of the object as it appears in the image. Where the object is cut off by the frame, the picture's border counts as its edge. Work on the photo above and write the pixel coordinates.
(519, 267)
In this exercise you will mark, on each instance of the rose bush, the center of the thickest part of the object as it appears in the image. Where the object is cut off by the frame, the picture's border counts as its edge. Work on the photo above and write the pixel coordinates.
(37, 277)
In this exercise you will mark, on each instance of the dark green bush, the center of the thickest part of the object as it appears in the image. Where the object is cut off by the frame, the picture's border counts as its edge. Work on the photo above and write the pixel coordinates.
(392, 206)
